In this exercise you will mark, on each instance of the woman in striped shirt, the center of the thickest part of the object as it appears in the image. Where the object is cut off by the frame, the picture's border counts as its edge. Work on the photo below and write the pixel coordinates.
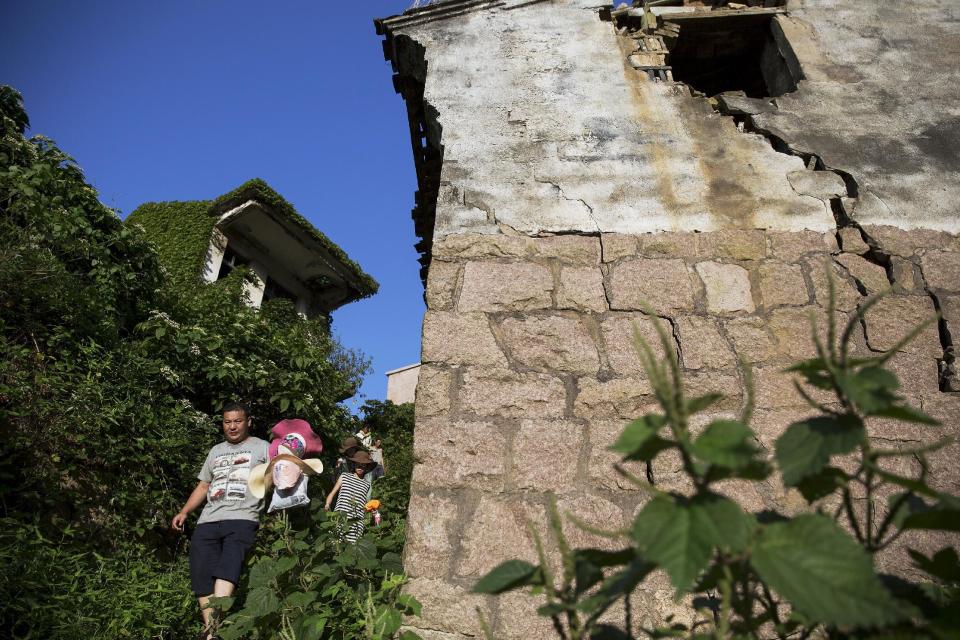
(353, 491)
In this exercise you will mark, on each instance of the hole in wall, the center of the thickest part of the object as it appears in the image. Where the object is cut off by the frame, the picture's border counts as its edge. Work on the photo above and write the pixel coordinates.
(715, 54)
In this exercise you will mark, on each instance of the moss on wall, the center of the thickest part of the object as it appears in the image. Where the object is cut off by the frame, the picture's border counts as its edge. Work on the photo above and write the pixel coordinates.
(181, 233)
(260, 191)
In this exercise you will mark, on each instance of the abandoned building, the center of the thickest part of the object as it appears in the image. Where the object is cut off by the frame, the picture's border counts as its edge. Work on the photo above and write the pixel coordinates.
(254, 227)
(576, 162)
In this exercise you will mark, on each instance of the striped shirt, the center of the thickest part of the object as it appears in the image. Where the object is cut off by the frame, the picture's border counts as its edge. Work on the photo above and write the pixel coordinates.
(351, 500)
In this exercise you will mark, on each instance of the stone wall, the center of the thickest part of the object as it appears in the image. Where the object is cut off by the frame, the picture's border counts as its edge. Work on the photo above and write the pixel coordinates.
(529, 373)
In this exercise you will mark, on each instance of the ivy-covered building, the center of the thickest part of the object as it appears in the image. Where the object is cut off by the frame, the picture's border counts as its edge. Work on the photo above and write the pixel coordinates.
(253, 226)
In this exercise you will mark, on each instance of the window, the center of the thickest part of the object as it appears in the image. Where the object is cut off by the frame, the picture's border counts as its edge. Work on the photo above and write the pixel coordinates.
(274, 289)
(231, 260)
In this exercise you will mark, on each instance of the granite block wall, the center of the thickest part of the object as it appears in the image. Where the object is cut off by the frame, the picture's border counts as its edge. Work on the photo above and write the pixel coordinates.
(529, 373)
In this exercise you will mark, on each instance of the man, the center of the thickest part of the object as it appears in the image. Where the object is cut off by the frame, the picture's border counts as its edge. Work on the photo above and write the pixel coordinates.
(228, 523)
(364, 436)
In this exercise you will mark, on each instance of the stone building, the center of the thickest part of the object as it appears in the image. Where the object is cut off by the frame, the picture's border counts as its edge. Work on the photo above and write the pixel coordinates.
(253, 226)
(573, 166)
(402, 384)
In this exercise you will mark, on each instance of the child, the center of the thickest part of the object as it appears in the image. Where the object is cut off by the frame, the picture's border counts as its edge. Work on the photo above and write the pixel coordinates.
(353, 491)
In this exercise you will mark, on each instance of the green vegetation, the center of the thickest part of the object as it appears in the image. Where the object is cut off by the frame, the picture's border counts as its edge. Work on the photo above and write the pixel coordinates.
(766, 574)
(112, 377)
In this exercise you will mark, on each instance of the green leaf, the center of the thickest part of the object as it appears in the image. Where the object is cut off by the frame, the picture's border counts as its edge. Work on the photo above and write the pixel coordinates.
(871, 388)
(698, 404)
(386, 622)
(822, 572)
(727, 443)
(944, 565)
(906, 414)
(408, 604)
(409, 635)
(616, 586)
(311, 627)
(805, 447)
(636, 434)
(680, 535)
(604, 558)
(300, 599)
(284, 404)
(508, 575)
(262, 602)
(821, 484)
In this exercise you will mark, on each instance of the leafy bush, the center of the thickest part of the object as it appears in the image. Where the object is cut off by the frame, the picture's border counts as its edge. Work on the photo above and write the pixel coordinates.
(393, 423)
(764, 575)
(305, 584)
(112, 376)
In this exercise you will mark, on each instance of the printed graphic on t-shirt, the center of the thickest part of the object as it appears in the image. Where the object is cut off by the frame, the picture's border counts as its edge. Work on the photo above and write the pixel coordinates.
(230, 472)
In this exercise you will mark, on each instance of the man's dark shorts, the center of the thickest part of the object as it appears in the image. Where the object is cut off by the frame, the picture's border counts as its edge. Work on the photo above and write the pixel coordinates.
(217, 550)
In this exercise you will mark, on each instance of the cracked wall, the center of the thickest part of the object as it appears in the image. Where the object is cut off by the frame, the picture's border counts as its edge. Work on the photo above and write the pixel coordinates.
(574, 189)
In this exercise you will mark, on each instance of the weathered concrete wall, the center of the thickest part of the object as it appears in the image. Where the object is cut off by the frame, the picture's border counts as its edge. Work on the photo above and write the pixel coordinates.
(528, 368)
(402, 384)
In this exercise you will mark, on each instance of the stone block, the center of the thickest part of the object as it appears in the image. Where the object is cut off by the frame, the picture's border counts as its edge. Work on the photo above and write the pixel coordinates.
(428, 549)
(550, 343)
(604, 433)
(701, 345)
(872, 277)
(619, 343)
(497, 532)
(569, 248)
(519, 620)
(941, 270)
(846, 293)
(851, 241)
(905, 275)
(666, 285)
(905, 243)
(512, 286)
(792, 331)
(459, 338)
(459, 454)
(596, 512)
(918, 373)
(819, 184)
(782, 284)
(440, 599)
(581, 288)
(727, 286)
(504, 393)
(546, 455)
(618, 245)
(893, 317)
(668, 244)
(625, 398)
(735, 244)
(770, 423)
(442, 284)
(950, 308)
(750, 338)
(433, 391)
(790, 246)
(726, 384)
(775, 389)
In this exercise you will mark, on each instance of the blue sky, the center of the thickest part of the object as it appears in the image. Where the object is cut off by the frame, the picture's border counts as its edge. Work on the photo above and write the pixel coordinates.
(185, 100)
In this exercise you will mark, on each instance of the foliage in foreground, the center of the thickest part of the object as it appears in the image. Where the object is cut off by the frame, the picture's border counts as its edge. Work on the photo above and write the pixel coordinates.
(112, 376)
(766, 574)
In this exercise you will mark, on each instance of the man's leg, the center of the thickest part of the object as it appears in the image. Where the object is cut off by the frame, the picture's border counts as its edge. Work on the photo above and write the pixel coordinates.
(238, 537)
(205, 551)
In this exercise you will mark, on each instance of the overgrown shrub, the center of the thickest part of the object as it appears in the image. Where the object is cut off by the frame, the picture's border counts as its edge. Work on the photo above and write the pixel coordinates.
(766, 574)
(112, 377)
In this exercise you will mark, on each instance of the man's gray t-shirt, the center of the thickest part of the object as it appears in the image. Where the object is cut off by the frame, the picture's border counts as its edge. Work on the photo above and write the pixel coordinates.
(227, 469)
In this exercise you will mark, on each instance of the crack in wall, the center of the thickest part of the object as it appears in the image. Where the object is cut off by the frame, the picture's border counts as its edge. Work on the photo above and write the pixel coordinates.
(563, 196)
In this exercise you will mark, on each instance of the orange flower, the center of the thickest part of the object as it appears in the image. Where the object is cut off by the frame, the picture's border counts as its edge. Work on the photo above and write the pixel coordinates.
(373, 505)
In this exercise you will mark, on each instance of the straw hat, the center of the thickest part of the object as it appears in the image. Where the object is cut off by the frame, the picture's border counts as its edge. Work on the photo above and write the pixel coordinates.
(261, 476)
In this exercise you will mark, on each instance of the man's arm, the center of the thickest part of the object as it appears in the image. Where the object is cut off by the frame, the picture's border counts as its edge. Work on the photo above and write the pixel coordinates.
(197, 498)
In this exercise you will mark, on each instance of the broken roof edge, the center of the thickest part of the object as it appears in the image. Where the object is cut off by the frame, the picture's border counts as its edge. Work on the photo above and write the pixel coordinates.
(433, 12)
(258, 190)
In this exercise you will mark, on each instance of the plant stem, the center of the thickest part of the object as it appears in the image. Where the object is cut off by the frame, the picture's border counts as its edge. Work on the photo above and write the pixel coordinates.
(726, 592)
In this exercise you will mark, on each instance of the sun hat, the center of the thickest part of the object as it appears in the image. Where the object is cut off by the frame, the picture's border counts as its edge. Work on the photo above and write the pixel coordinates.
(348, 443)
(297, 436)
(261, 476)
(361, 457)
